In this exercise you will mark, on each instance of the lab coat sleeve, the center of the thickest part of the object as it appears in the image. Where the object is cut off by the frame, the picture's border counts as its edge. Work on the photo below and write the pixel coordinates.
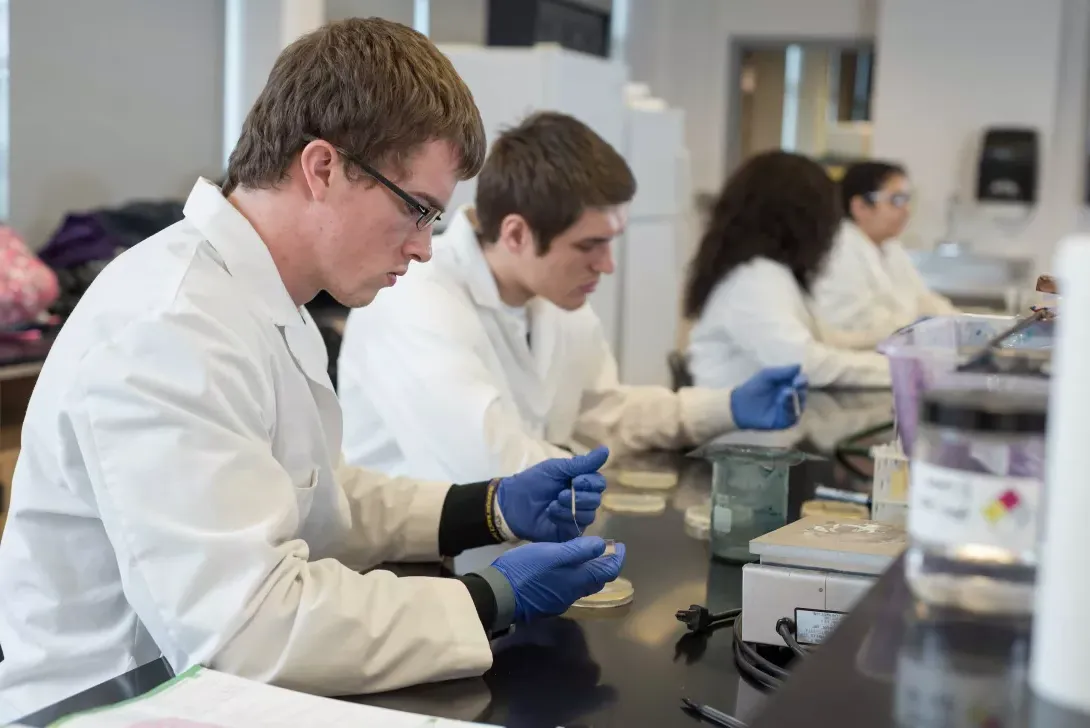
(172, 419)
(843, 299)
(763, 322)
(391, 519)
(420, 360)
(644, 417)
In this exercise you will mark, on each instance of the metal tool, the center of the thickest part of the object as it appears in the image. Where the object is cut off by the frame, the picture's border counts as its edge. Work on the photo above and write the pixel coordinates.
(824, 492)
(578, 530)
(711, 715)
(990, 348)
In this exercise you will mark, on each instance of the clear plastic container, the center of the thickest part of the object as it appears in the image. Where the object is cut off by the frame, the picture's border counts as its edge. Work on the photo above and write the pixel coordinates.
(975, 499)
(927, 354)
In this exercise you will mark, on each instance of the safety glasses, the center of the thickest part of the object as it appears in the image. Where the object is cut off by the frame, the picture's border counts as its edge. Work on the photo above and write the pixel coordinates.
(897, 199)
(428, 213)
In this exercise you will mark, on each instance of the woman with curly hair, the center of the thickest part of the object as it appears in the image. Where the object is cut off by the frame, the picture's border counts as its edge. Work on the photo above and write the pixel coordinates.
(749, 285)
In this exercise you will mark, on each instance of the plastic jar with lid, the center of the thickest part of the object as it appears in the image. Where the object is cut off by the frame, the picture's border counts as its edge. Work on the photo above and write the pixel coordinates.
(976, 494)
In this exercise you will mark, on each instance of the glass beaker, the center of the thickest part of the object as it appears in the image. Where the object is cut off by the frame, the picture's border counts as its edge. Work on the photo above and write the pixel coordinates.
(749, 494)
(749, 499)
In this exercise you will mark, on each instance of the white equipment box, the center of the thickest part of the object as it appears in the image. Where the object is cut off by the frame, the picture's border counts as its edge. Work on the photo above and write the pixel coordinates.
(813, 571)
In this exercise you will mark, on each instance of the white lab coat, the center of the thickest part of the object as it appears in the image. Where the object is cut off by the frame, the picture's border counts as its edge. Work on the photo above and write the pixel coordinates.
(181, 491)
(437, 379)
(757, 317)
(872, 290)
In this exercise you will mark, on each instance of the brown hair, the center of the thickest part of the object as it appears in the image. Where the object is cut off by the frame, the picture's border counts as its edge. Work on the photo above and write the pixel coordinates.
(779, 206)
(549, 169)
(375, 88)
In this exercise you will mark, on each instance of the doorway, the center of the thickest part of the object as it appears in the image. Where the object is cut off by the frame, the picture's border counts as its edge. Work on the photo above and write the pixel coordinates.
(813, 98)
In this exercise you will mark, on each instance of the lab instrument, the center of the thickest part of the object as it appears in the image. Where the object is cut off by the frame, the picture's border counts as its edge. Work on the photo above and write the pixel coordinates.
(712, 715)
(574, 517)
(927, 354)
(749, 490)
(975, 500)
(813, 571)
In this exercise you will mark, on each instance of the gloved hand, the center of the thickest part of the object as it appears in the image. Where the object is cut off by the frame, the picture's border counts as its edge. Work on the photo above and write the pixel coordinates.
(549, 577)
(536, 503)
(766, 401)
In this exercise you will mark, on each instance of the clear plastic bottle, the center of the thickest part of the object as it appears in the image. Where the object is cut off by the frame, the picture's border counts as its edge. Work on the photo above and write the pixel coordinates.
(976, 494)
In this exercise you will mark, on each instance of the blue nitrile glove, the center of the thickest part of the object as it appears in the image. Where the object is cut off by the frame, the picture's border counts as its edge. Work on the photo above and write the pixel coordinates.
(766, 401)
(547, 578)
(536, 503)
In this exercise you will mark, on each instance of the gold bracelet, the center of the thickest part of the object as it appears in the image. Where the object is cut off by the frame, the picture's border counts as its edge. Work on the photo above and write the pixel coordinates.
(490, 511)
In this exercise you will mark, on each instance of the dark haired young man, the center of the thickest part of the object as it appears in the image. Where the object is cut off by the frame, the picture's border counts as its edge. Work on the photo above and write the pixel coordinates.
(487, 359)
(870, 286)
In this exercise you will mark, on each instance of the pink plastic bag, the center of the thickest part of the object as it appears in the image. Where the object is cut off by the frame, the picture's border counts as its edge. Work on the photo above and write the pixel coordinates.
(27, 285)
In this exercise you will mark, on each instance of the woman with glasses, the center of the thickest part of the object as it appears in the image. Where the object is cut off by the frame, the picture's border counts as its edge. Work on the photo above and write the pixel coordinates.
(870, 286)
(749, 285)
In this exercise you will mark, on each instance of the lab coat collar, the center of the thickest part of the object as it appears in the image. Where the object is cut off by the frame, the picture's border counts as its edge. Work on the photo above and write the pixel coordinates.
(861, 244)
(243, 251)
(467, 247)
(855, 233)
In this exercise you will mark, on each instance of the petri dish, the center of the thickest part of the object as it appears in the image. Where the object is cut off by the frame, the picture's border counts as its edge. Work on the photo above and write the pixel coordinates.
(834, 509)
(616, 593)
(633, 503)
(698, 521)
(647, 479)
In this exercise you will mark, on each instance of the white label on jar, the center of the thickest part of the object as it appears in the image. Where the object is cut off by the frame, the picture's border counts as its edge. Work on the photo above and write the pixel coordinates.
(953, 507)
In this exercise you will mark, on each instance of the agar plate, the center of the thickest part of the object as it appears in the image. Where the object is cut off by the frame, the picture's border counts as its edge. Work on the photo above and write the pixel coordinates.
(698, 521)
(834, 509)
(616, 593)
(633, 503)
(647, 480)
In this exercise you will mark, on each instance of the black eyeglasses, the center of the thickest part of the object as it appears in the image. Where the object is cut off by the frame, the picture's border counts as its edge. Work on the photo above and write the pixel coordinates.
(428, 213)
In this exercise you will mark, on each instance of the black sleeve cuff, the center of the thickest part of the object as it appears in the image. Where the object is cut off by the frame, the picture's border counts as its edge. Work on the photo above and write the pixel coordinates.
(463, 522)
(483, 599)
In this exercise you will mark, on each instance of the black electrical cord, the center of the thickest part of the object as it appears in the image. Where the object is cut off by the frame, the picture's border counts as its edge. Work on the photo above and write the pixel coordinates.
(848, 447)
(785, 628)
(753, 665)
(700, 619)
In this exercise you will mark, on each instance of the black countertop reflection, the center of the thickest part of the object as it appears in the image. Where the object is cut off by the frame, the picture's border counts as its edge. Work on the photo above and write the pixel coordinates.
(623, 667)
(895, 662)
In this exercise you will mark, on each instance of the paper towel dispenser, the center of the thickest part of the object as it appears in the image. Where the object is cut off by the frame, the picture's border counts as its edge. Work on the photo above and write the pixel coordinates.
(1007, 168)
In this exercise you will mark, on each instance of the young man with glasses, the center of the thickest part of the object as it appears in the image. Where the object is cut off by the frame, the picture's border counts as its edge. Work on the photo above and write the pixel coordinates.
(488, 360)
(870, 286)
(181, 493)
